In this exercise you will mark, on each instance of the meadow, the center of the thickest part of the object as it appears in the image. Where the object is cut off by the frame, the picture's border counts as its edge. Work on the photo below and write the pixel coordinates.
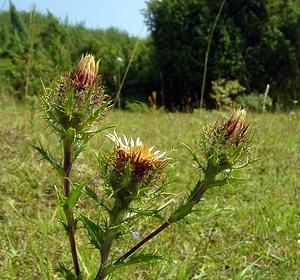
(250, 231)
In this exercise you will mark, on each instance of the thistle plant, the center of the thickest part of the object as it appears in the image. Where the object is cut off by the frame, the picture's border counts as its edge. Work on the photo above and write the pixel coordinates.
(133, 173)
(132, 177)
(135, 170)
(72, 108)
(225, 148)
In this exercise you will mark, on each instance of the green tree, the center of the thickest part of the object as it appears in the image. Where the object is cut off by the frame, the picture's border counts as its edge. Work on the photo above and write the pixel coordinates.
(253, 42)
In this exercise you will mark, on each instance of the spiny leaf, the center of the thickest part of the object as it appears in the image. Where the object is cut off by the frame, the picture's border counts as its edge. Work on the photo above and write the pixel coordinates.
(79, 147)
(74, 195)
(96, 114)
(235, 154)
(94, 231)
(226, 181)
(91, 133)
(47, 156)
(95, 197)
(69, 104)
(66, 272)
(61, 208)
(181, 212)
(194, 156)
(51, 117)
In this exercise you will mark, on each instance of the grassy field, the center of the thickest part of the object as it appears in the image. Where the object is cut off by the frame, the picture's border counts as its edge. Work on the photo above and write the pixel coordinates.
(247, 232)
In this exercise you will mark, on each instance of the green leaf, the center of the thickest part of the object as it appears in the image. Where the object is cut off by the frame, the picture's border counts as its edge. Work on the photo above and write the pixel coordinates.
(235, 154)
(61, 208)
(134, 259)
(95, 197)
(66, 272)
(94, 231)
(199, 185)
(148, 213)
(79, 147)
(91, 133)
(69, 104)
(74, 196)
(47, 156)
(127, 174)
(194, 156)
(96, 114)
(181, 212)
(51, 117)
(71, 134)
(226, 181)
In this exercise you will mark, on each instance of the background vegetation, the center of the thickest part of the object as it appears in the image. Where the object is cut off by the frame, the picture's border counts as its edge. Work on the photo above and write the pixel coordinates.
(255, 42)
(246, 232)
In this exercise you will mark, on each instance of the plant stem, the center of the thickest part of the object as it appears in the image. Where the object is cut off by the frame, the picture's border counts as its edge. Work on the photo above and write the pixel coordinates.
(104, 257)
(70, 218)
(115, 219)
(71, 233)
(67, 166)
(146, 239)
(195, 198)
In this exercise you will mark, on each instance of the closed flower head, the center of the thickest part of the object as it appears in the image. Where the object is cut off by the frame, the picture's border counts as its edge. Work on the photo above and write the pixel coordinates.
(227, 142)
(85, 75)
(84, 82)
(236, 127)
(233, 131)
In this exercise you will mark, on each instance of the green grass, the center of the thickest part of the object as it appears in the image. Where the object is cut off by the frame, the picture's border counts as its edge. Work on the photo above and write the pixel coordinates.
(247, 232)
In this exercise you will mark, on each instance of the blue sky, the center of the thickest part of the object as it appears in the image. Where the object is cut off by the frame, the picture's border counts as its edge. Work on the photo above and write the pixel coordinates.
(123, 14)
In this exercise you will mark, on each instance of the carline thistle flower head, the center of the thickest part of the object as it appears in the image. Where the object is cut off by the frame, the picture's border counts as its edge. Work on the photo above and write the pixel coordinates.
(145, 165)
(84, 82)
(85, 75)
(227, 142)
(233, 131)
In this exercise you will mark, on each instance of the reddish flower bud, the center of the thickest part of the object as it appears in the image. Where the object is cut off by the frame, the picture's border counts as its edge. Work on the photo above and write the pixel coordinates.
(83, 82)
(236, 127)
(85, 75)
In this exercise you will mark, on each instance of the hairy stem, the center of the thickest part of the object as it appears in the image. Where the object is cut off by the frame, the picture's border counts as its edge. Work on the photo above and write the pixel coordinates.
(66, 184)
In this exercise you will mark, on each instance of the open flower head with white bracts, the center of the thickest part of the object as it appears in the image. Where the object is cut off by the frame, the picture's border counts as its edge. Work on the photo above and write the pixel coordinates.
(146, 164)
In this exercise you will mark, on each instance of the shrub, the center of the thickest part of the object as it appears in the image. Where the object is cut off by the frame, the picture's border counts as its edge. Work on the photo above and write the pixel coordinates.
(136, 107)
(224, 92)
(254, 101)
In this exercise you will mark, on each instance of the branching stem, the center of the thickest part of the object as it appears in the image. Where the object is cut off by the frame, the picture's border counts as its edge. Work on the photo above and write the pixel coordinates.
(141, 243)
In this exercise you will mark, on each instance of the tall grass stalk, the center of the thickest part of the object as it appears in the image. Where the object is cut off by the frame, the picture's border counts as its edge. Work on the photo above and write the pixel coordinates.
(207, 52)
(30, 50)
(118, 95)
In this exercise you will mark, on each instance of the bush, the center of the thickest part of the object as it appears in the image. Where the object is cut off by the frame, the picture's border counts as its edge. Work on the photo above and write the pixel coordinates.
(254, 101)
(224, 92)
(136, 107)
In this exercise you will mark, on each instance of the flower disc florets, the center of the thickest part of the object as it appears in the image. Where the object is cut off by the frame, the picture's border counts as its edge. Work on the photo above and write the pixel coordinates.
(135, 166)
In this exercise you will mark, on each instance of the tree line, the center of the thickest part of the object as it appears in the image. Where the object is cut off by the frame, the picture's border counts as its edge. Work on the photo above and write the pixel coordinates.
(254, 43)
